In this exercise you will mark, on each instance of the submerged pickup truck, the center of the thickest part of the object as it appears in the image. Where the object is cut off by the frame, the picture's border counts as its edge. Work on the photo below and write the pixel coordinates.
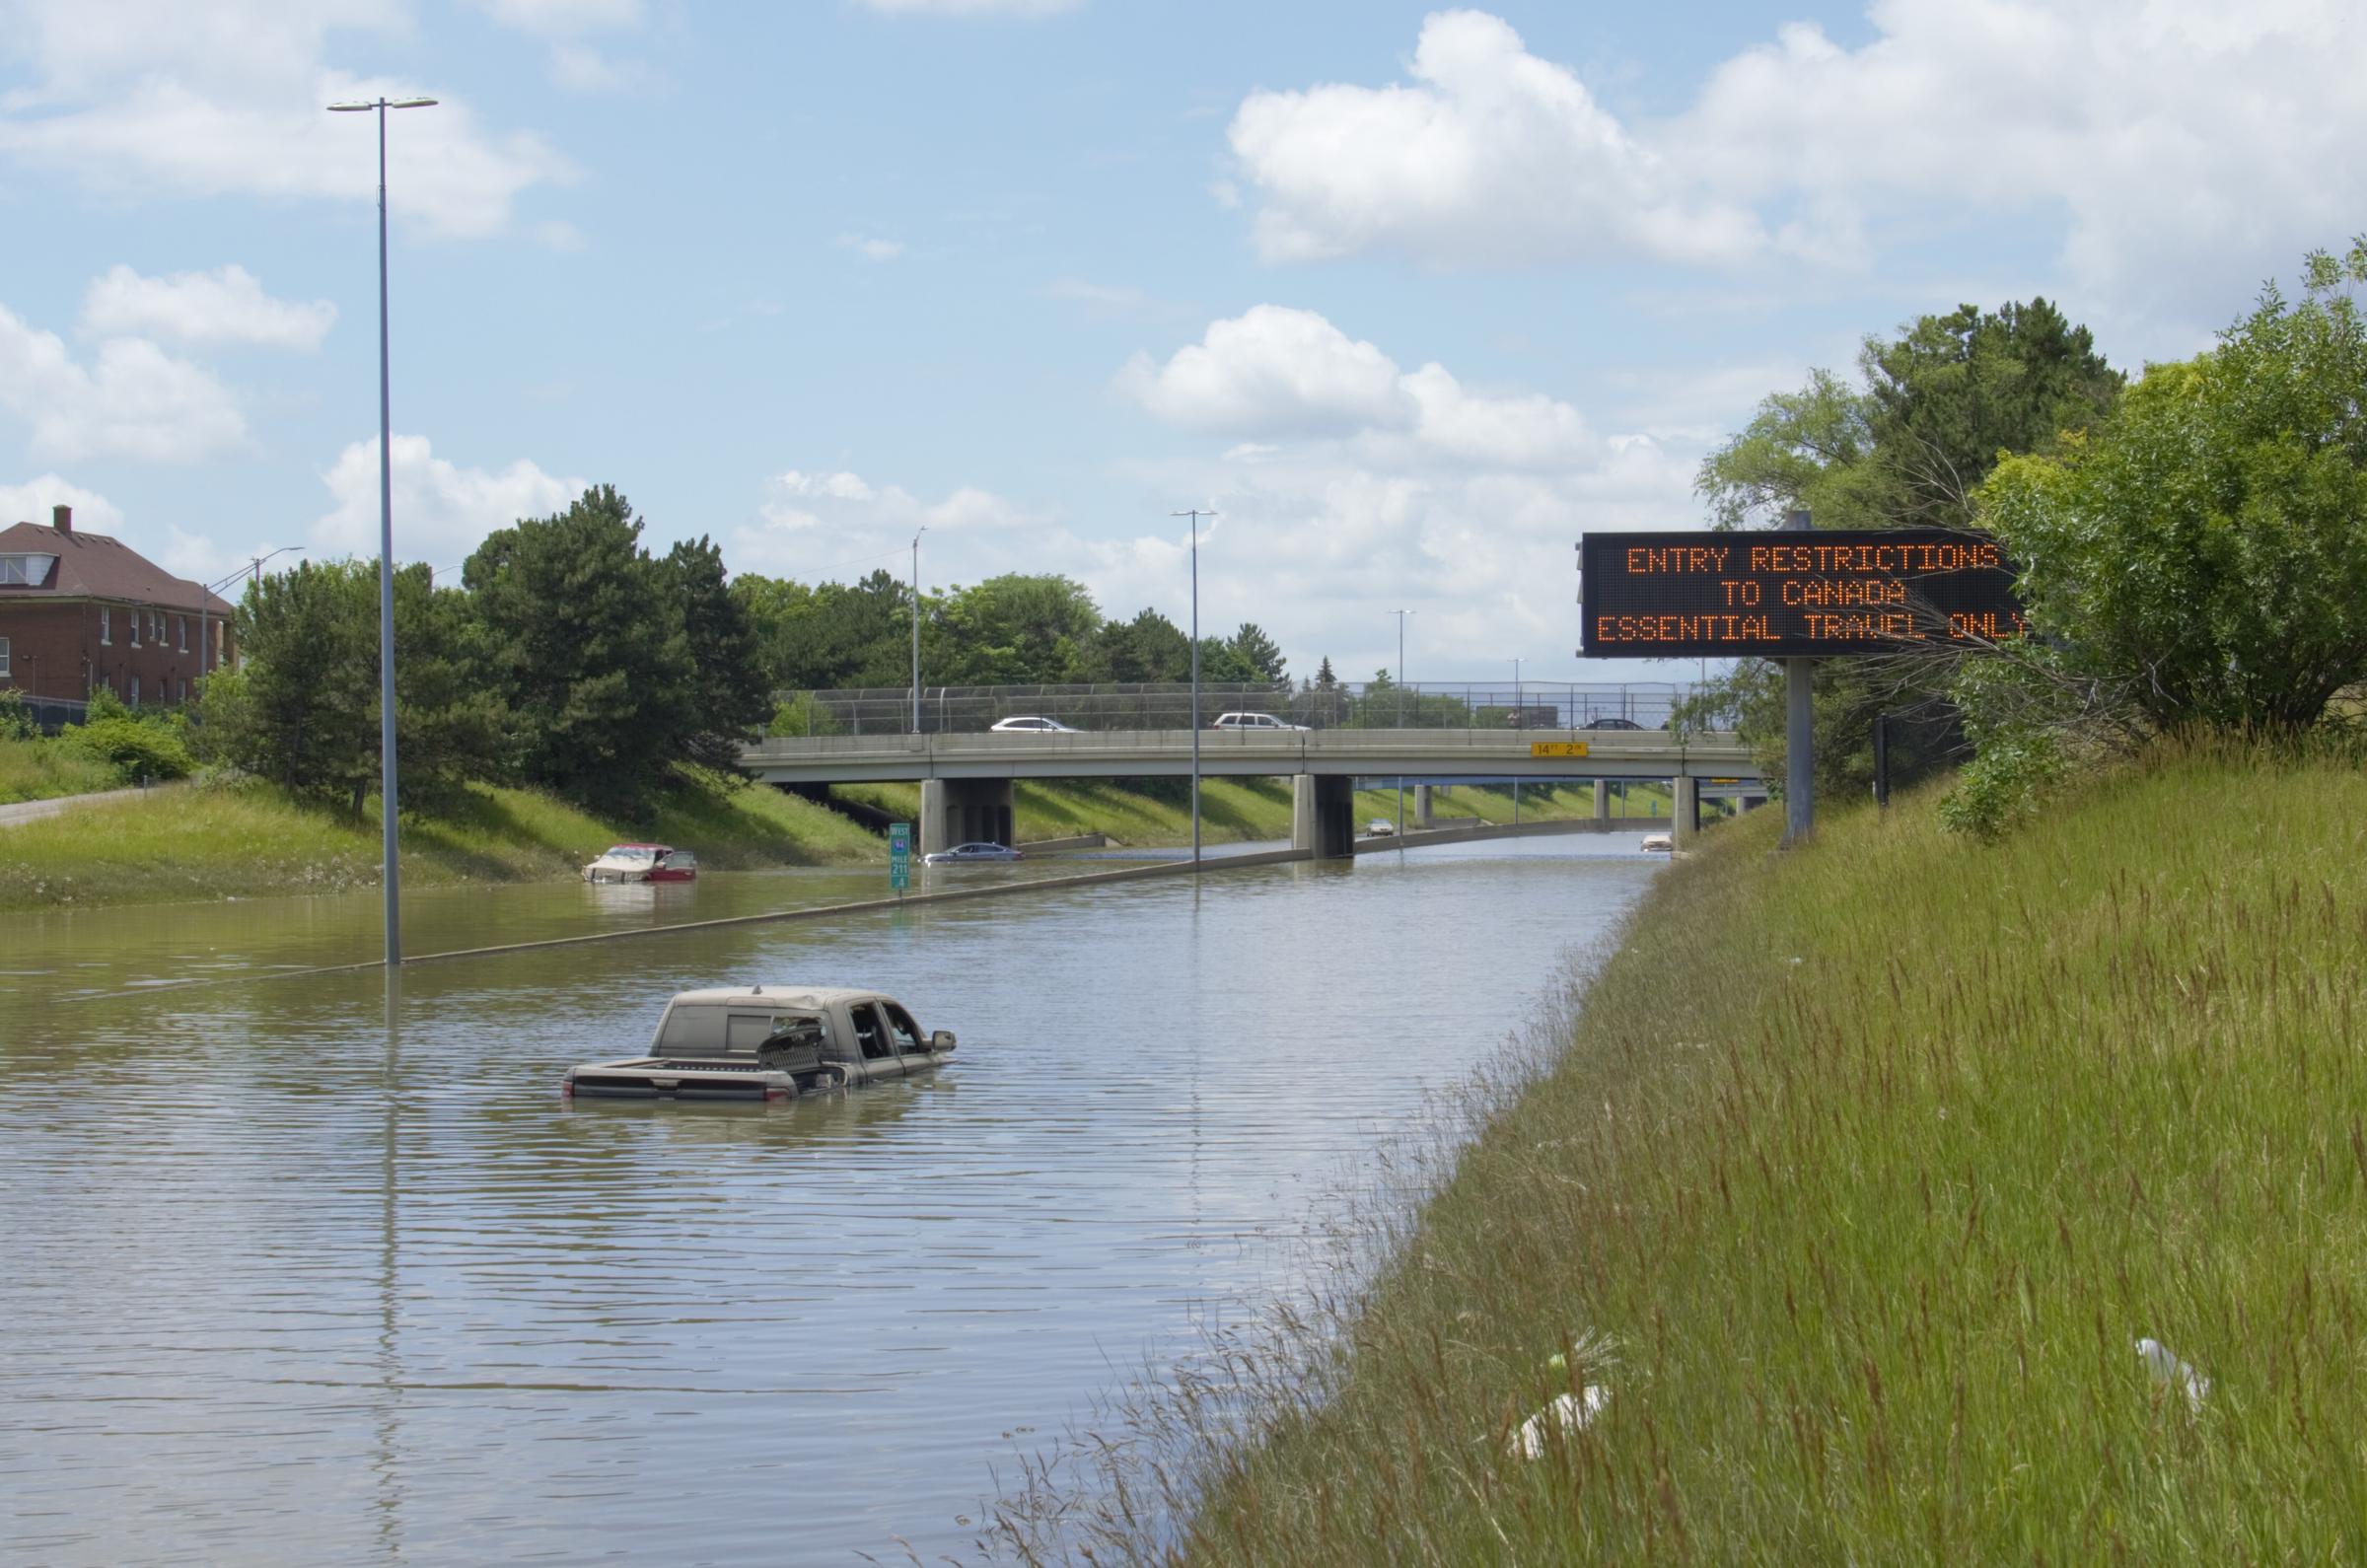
(767, 1043)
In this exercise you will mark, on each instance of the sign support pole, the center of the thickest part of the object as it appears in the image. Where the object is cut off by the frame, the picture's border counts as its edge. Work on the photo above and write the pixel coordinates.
(1800, 736)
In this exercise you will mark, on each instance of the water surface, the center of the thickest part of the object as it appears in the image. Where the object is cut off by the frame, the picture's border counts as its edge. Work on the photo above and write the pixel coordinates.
(294, 1275)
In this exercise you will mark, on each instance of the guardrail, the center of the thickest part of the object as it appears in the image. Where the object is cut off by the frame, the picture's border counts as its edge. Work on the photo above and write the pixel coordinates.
(1116, 752)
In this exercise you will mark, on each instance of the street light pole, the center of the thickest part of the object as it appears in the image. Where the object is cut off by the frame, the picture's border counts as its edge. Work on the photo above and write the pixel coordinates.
(1401, 614)
(386, 546)
(1195, 514)
(1520, 721)
(923, 529)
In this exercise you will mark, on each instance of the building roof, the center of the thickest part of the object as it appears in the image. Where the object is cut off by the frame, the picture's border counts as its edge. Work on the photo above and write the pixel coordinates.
(94, 566)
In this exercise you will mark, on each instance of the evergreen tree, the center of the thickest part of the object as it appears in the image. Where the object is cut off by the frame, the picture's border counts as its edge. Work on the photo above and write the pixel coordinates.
(732, 695)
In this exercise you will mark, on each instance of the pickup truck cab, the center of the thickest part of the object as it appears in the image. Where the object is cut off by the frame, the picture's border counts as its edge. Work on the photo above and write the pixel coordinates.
(767, 1044)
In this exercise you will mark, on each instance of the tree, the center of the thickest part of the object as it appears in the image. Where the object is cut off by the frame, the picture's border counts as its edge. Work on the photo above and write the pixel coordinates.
(2202, 556)
(1325, 680)
(1149, 649)
(1257, 652)
(303, 711)
(584, 639)
(1909, 445)
(731, 689)
(1017, 630)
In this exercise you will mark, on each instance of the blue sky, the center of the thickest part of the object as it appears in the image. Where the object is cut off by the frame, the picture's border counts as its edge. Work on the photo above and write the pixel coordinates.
(1412, 296)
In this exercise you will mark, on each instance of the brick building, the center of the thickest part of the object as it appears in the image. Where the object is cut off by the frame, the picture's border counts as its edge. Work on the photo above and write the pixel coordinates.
(81, 610)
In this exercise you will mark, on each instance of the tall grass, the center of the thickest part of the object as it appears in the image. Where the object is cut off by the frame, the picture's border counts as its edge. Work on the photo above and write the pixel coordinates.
(43, 770)
(252, 840)
(1862, 1172)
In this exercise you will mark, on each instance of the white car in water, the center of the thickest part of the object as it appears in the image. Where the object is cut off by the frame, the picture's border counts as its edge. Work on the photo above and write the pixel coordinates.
(970, 855)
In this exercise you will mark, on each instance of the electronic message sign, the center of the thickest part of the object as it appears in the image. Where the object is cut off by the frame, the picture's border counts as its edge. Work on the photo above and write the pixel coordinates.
(1792, 593)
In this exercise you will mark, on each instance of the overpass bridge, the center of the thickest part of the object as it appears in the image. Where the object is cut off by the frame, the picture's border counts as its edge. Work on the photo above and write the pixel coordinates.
(966, 779)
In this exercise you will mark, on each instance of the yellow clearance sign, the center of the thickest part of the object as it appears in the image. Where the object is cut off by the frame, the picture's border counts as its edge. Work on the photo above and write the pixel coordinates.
(1557, 748)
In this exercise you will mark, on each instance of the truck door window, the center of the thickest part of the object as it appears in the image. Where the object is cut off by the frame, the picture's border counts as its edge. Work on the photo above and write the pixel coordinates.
(907, 1033)
(869, 1036)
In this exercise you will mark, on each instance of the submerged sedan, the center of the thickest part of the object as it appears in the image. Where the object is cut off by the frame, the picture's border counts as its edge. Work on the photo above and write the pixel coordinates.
(970, 854)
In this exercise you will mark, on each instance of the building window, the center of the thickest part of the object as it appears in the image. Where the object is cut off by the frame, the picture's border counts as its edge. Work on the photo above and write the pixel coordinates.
(4, 658)
(136, 628)
(106, 626)
(180, 633)
(30, 570)
(135, 692)
(183, 696)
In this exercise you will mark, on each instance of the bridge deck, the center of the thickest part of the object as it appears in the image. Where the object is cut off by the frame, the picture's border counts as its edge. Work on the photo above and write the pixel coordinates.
(1140, 754)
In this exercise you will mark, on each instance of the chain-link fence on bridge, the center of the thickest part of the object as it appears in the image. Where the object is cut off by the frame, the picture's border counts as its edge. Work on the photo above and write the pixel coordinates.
(951, 710)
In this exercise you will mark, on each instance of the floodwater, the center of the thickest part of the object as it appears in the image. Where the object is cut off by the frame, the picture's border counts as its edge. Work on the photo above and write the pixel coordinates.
(292, 1272)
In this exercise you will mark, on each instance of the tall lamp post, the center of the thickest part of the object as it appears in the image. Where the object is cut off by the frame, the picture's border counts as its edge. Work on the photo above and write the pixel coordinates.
(1401, 614)
(916, 534)
(385, 543)
(1195, 514)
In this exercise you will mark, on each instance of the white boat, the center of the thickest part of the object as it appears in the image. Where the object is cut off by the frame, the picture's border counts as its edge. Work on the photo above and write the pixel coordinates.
(767, 1043)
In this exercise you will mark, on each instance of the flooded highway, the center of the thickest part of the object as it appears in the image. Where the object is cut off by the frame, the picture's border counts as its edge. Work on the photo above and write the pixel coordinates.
(298, 1273)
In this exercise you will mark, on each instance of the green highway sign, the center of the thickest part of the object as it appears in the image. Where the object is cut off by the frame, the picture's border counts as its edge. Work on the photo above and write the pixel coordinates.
(900, 855)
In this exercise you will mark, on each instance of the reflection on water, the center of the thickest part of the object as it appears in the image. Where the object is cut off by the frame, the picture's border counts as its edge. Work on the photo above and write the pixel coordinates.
(298, 1271)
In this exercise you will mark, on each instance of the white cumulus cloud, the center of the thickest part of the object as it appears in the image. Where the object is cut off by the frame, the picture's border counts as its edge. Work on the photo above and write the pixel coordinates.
(226, 98)
(1274, 371)
(131, 400)
(225, 306)
(441, 511)
(1494, 155)
(31, 502)
(2145, 129)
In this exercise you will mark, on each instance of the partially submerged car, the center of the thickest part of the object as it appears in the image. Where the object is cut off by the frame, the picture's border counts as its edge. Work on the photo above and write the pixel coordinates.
(970, 855)
(643, 863)
(762, 1044)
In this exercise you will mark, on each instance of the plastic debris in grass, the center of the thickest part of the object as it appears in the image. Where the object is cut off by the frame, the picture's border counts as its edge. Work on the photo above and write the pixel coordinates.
(1569, 1414)
(2170, 1373)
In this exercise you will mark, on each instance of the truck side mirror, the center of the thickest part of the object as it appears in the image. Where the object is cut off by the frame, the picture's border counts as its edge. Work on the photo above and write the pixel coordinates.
(942, 1040)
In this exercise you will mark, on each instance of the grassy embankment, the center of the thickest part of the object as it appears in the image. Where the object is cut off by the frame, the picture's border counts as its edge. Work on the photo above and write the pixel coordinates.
(43, 770)
(1864, 1170)
(252, 841)
(1234, 809)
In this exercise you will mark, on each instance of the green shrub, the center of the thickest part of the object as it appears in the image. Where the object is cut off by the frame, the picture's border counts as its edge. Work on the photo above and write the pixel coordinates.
(16, 720)
(137, 746)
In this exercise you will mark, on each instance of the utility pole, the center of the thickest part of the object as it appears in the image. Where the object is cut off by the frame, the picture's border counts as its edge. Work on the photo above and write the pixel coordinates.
(386, 546)
(924, 528)
(1800, 733)
(1519, 722)
(1195, 514)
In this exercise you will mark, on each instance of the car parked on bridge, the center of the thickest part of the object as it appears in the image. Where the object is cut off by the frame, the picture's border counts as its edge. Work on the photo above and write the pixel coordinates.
(1252, 721)
(970, 854)
(1611, 724)
(1030, 725)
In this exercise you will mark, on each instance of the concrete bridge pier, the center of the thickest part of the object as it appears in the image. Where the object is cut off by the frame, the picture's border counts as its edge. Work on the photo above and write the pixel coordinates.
(1323, 820)
(1421, 806)
(964, 811)
(1602, 800)
(1685, 810)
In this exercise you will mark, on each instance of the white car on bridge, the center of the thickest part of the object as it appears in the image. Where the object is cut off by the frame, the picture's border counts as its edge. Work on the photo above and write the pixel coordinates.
(1253, 720)
(1018, 724)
